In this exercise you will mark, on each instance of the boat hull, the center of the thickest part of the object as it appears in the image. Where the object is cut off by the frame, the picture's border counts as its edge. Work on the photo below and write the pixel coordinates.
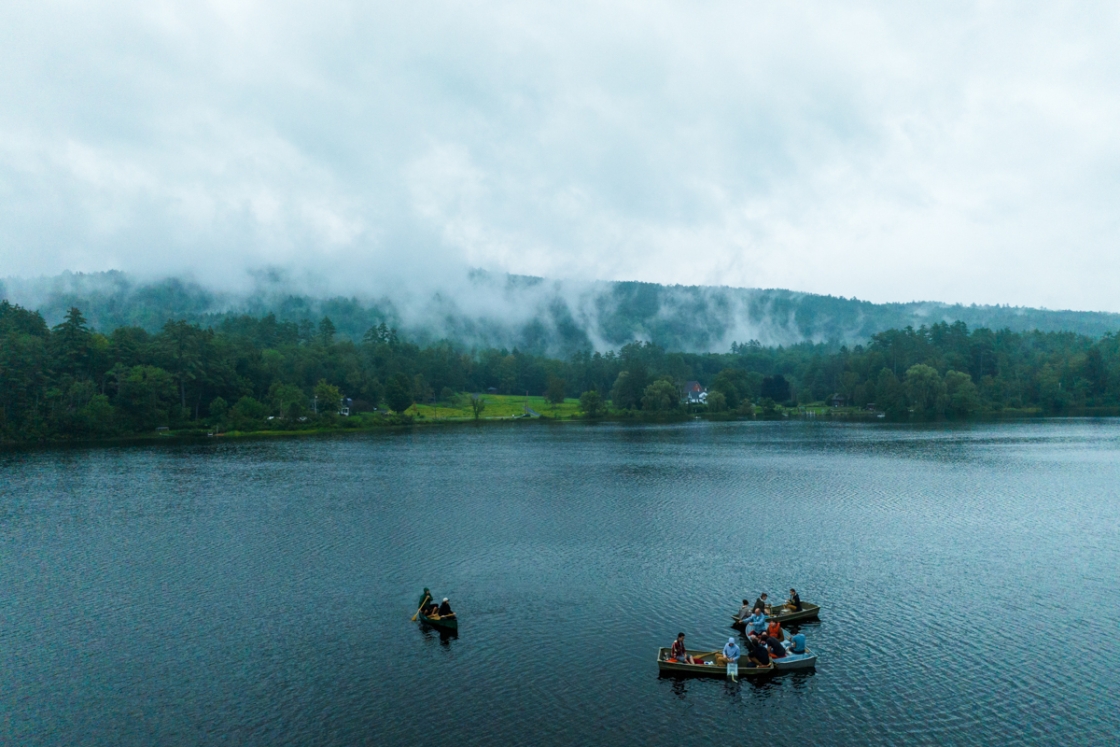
(705, 670)
(440, 622)
(792, 662)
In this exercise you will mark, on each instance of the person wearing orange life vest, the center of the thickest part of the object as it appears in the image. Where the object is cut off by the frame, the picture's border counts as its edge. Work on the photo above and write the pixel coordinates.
(774, 630)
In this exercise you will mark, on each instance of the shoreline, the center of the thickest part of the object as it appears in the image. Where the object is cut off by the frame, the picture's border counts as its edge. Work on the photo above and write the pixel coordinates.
(194, 436)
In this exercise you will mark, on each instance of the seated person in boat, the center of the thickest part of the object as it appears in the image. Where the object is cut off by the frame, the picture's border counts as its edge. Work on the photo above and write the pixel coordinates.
(679, 652)
(763, 602)
(445, 609)
(797, 643)
(431, 610)
(756, 623)
(774, 647)
(730, 653)
(774, 630)
(793, 604)
(744, 611)
(757, 652)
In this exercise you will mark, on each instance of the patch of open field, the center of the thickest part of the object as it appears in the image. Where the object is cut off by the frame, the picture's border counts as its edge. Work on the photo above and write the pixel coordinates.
(497, 406)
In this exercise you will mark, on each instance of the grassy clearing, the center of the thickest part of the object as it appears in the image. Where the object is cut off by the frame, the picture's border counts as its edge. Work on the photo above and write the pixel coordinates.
(498, 406)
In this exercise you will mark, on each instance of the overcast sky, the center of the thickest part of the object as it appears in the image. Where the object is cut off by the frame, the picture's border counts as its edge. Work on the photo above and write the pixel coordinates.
(956, 151)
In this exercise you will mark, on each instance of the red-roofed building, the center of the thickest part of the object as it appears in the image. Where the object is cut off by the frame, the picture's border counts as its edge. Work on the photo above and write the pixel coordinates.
(694, 394)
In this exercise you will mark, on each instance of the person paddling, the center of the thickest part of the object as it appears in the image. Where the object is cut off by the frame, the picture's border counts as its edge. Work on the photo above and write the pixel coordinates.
(445, 609)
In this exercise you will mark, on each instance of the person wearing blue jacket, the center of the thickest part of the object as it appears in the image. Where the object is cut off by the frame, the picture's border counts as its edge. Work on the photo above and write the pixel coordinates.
(730, 653)
(757, 621)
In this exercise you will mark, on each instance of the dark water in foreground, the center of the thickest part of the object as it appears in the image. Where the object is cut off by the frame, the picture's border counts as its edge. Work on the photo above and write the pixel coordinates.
(259, 593)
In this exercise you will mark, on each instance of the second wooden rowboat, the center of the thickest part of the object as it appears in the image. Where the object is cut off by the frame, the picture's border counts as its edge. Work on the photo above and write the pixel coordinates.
(782, 615)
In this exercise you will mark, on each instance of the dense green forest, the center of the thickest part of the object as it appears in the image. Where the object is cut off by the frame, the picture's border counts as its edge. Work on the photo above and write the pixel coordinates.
(253, 373)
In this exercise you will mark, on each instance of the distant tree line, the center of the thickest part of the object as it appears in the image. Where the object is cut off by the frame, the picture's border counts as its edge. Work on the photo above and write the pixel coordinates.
(250, 373)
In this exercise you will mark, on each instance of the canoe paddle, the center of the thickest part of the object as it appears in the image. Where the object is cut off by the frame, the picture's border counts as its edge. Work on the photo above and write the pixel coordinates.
(422, 603)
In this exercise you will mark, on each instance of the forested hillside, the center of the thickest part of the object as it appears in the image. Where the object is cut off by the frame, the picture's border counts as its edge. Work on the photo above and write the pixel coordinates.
(556, 318)
(251, 373)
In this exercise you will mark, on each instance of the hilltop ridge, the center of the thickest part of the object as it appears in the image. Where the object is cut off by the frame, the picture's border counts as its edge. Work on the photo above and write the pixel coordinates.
(536, 314)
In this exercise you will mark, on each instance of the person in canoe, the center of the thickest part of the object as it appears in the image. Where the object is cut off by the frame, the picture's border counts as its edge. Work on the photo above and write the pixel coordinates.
(793, 604)
(763, 602)
(730, 653)
(774, 630)
(679, 652)
(744, 611)
(445, 609)
(756, 623)
(797, 643)
(757, 652)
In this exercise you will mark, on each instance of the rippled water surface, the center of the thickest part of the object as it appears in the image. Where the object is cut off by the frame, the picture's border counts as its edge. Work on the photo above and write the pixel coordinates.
(259, 593)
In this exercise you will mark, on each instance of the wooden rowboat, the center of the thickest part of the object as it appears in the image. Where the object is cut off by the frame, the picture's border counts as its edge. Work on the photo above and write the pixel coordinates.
(780, 614)
(708, 666)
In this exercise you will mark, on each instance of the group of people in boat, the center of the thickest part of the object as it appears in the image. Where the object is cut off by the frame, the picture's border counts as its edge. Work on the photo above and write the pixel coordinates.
(749, 613)
(764, 638)
(761, 648)
(439, 611)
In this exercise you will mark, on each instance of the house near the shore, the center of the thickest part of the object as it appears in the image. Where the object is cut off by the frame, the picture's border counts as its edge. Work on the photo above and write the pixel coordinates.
(838, 400)
(694, 394)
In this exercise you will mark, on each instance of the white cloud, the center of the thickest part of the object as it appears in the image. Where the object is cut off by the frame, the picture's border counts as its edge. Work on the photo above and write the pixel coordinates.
(964, 151)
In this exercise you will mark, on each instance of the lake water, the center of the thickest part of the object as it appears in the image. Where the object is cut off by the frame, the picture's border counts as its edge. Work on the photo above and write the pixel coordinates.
(259, 593)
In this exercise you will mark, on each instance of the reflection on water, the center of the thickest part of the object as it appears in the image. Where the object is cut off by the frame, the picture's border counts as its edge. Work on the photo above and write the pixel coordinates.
(260, 592)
